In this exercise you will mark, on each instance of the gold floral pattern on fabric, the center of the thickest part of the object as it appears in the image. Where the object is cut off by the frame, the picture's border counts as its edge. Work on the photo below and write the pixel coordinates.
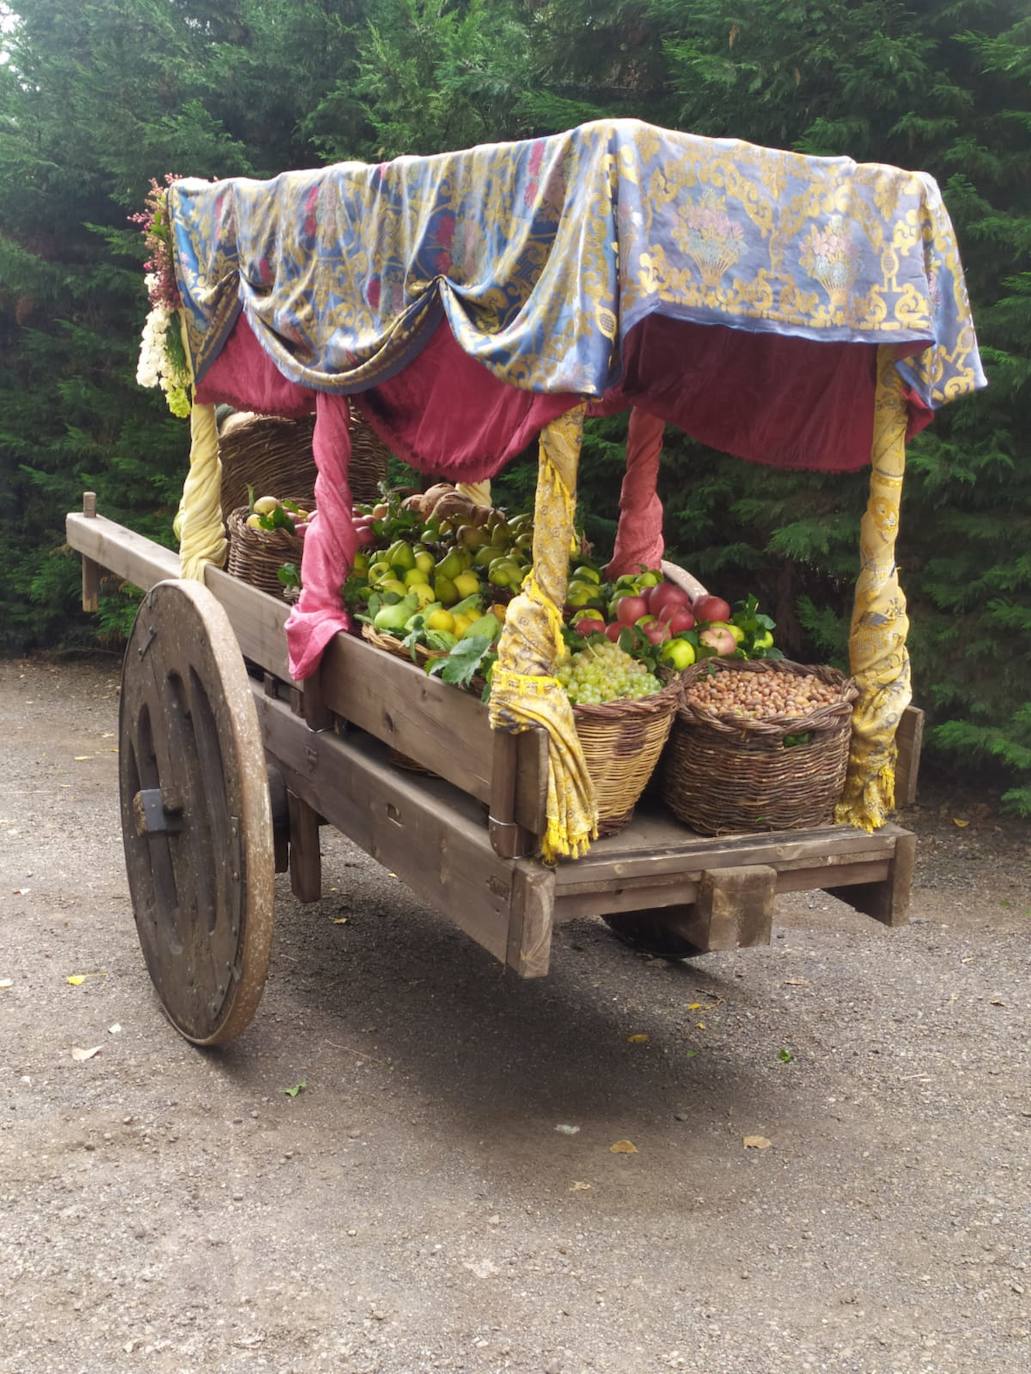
(542, 255)
(524, 690)
(877, 645)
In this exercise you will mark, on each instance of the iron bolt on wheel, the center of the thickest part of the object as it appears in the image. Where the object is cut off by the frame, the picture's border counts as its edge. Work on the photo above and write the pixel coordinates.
(196, 820)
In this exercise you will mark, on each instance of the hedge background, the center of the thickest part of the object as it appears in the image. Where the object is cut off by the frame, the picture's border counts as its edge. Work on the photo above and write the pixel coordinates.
(98, 96)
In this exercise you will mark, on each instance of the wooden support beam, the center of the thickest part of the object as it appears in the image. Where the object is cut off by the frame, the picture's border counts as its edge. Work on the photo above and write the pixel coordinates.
(888, 900)
(909, 738)
(422, 830)
(735, 906)
(509, 838)
(90, 570)
(530, 927)
(305, 854)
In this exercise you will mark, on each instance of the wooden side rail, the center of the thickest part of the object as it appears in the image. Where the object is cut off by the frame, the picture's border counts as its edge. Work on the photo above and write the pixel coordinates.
(447, 732)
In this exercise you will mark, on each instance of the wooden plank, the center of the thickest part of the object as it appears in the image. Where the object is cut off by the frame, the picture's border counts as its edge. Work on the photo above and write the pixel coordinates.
(653, 846)
(305, 854)
(735, 907)
(529, 932)
(445, 730)
(910, 738)
(531, 800)
(509, 838)
(90, 570)
(887, 899)
(132, 557)
(427, 833)
(258, 619)
(676, 889)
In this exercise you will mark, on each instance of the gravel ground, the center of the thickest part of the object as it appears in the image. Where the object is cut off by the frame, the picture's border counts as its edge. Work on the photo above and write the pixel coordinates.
(414, 1207)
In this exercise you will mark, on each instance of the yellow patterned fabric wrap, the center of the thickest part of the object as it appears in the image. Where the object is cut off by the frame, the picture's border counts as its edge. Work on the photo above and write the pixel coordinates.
(877, 644)
(524, 691)
(477, 492)
(543, 255)
(202, 536)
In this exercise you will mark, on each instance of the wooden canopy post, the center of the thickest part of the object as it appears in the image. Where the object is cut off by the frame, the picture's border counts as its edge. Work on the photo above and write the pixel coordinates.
(878, 656)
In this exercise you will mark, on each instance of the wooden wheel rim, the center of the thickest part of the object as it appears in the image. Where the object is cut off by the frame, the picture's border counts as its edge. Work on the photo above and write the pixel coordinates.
(196, 817)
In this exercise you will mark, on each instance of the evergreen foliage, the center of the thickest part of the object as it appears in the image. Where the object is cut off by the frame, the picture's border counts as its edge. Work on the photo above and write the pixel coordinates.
(98, 96)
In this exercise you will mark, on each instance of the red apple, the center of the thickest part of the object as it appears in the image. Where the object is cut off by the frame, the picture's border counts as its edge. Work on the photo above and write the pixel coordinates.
(719, 639)
(708, 608)
(664, 599)
(589, 625)
(657, 632)
(366, 538)
(614, 630)
(630, 609)
(679, 621)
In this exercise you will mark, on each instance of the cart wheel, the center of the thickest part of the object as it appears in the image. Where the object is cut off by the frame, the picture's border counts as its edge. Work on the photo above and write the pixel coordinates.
(655, 932)
(196, 820)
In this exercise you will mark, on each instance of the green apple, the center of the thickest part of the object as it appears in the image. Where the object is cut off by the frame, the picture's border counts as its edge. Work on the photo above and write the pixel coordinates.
(678, 653)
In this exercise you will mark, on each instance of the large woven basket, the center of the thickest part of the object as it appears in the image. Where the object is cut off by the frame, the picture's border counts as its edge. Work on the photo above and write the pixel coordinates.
(271, 454)
(274, 456)
(369, 455)
(622, 743)
(723, 775)
(622, 740)
(255, 556)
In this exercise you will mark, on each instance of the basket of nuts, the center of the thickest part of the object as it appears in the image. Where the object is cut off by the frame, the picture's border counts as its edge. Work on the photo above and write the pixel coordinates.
(758, 744)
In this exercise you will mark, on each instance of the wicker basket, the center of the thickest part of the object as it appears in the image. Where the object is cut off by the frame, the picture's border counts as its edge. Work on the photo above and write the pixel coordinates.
(723, 775)
(622, 743)
(274, 456)
(255, 556)
(622, 740)
(369, 455)
(270, 454)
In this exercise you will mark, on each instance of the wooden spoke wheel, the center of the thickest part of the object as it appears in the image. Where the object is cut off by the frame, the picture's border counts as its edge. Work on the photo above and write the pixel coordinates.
(196, 820)
(658, 932)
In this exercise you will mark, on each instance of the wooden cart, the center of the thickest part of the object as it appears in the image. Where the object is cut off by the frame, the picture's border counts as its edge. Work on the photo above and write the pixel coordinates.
(228, 768)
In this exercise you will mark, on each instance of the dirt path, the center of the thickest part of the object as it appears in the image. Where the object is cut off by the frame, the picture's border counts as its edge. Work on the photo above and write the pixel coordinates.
(414, 1208)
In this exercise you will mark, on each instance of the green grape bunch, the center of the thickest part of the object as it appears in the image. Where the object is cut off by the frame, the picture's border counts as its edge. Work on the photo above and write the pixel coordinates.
(604, 672)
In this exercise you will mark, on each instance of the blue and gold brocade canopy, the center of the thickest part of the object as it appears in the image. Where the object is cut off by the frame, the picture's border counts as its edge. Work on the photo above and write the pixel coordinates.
(543, 255)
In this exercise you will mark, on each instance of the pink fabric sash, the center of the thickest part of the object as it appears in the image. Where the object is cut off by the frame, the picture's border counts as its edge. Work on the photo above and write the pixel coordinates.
(639, 534)
(771, 398)
(329, 544)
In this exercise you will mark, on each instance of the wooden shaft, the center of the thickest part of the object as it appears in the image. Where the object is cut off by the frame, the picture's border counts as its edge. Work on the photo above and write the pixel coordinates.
(90, 570)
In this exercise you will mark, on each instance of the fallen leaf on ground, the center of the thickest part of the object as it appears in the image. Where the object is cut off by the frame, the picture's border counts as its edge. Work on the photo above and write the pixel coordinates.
(81, 758)
(960, 823)
(297, 1088)
(623, 1147)
(756, 1142)
(796, 982)
(699, 1025)
(694, 1006)
(638, 1039)
(341, 920)
(79, 1055)
(579, 1187)
(6, 982)
(76, 979)
(115, 1029)
(998, 1002)
(785, 1056)
(563, 1129)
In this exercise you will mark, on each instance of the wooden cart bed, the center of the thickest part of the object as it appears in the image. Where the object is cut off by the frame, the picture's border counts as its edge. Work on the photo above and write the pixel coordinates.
(462, 840)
